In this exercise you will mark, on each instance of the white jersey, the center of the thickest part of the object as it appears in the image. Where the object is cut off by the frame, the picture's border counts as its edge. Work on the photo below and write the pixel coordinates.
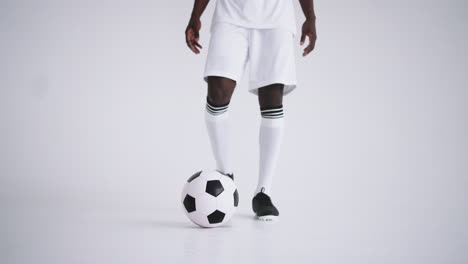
(256, 13)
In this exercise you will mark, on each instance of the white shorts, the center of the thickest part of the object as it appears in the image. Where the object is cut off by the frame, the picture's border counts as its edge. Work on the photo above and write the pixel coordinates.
(269, 52)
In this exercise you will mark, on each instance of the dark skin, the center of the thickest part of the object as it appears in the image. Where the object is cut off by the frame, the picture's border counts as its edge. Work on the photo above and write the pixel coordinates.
(308, 28)
(220, 89)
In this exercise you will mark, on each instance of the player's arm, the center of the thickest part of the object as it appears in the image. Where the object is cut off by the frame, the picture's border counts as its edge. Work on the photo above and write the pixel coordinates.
(192, 34)
(308, 28)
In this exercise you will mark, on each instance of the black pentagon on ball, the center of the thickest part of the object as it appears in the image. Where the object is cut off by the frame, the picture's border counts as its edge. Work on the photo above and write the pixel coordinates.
(216, 217)
(194, 176)
(236, 198)
(189, 203)
(214, 187)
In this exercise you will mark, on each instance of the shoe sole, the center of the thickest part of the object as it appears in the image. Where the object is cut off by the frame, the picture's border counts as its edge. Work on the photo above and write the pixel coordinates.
(268, 218)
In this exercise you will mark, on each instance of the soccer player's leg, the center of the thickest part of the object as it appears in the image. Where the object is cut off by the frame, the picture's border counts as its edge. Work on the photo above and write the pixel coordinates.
(272, 76)
(226, 58)
(270, 137)
(218, 97)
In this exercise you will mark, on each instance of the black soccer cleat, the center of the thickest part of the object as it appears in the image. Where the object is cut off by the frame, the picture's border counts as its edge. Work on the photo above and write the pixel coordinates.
(263, 207)
(230, 175)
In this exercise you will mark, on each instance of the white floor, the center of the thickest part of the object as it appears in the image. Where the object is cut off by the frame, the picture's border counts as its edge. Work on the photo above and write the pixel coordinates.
(324, 230)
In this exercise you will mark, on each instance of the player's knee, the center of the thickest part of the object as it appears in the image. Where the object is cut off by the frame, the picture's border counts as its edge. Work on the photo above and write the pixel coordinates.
(220, 90)
(271, 95)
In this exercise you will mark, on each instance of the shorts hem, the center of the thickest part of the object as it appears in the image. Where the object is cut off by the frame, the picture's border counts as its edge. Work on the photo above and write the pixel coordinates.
(220, 74)
(288, 86)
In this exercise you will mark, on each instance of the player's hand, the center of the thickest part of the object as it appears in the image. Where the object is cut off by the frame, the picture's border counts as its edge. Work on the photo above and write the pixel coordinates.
(192, 35)
(308, 30)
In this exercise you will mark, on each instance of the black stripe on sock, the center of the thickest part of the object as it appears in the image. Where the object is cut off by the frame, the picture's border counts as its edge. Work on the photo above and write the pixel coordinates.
(272, 111)
(216, 109)
(271, 107)
(215, 112)
(272, 117)
(276, 114)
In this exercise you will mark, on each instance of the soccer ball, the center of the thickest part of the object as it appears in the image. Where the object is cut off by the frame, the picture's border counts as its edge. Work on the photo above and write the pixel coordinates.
(209, 198)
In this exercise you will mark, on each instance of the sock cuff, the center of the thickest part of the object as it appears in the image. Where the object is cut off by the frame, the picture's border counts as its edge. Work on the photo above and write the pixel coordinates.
(272, 112)
(216, 109)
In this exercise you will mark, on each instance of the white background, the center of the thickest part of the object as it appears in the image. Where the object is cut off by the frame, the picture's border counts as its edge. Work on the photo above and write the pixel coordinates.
(101, 115)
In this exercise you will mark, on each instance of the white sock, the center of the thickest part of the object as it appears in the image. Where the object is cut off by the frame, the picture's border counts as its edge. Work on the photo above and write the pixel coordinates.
(270, 138)
(216, 119)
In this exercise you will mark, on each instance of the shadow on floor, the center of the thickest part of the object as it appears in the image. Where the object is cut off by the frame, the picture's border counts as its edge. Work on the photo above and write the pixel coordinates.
(159, 223)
